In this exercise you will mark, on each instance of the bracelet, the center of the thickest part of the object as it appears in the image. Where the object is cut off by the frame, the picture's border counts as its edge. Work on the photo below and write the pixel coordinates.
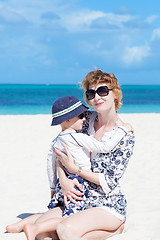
(79, 171)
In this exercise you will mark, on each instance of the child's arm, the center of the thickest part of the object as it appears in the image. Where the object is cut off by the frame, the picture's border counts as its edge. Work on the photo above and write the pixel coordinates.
(105, 146)
(51, 170)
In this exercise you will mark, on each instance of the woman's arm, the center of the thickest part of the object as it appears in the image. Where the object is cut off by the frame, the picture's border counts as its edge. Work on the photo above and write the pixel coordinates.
(67, 161)
(116, 164)
(68, 186)
(108, 178)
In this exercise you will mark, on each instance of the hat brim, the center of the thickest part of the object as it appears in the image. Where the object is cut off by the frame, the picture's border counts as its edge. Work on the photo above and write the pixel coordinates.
(58, 120)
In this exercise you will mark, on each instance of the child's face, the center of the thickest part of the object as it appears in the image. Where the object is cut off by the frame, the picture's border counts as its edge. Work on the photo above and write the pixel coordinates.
(77, 123)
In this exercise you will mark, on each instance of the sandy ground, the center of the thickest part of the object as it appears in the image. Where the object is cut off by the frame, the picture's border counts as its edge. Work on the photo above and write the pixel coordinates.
(24, 189)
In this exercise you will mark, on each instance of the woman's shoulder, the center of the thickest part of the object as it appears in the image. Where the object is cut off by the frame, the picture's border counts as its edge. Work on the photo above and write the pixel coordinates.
(128, 140)
(130, 135)
(90, 117)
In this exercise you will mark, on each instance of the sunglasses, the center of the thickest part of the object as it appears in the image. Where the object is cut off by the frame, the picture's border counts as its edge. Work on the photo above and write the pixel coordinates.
(101, 91)
(81, 116)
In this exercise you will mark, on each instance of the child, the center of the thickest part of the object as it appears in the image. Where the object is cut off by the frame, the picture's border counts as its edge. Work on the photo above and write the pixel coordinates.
(68, 111)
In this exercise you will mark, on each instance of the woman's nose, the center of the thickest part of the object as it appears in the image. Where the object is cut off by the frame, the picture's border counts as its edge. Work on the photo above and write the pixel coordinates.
(96, 96)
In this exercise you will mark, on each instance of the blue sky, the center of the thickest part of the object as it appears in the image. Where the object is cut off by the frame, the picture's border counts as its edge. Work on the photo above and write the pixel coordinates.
(59, 41)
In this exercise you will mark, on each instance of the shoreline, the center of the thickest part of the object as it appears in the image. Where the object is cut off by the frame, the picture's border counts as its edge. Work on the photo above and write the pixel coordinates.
(40, 110)
(25, 141)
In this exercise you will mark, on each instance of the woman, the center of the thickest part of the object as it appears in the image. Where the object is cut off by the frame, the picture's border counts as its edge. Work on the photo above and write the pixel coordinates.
(106, 203)
(106, 206)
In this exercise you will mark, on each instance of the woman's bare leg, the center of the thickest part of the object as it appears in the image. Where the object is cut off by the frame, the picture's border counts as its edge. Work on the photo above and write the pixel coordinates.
(78, 225)
(19, 226)
(46, 224)
(102, 234)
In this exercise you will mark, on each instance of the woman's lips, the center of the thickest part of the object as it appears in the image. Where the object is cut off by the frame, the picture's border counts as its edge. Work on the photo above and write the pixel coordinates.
(98, 104)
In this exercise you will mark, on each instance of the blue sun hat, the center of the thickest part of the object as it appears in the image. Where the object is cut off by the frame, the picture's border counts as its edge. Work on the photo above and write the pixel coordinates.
(65, 108)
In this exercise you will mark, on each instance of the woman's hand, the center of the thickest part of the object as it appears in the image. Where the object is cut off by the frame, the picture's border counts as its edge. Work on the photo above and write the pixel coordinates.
(68, 185)
(66, 160)
(69, 191)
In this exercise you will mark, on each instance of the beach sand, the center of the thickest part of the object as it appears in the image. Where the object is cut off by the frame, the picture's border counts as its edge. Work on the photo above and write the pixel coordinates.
(24, 188)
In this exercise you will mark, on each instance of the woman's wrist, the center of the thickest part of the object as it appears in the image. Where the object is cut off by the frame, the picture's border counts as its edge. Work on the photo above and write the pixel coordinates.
(78, 171)
(75, 169)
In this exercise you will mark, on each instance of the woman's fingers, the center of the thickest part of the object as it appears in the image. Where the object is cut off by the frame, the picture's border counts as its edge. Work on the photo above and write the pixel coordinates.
(77, 193)
(58, 152)
(78, 185)
(65, 158)
(74, 196)
(67, 152)
(65, 201)
(62, 157)
(74, 193)
(73, 201)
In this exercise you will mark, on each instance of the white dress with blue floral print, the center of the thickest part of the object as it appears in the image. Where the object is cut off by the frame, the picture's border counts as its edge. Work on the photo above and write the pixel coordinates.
(111, 167)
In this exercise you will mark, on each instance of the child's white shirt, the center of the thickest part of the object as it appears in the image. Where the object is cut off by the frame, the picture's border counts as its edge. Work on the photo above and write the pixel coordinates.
(80, 146)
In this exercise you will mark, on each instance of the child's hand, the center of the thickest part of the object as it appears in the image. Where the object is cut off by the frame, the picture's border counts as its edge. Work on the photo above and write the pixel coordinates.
(129, 127)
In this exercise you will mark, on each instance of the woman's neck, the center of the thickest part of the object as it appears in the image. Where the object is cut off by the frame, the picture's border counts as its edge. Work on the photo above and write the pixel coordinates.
(105, 123)
(107, 120)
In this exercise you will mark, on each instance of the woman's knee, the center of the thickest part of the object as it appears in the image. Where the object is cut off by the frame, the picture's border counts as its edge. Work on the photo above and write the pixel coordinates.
(63, 228)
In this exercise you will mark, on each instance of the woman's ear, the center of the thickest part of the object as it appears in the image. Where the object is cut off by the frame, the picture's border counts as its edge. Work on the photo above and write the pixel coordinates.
(114, 94)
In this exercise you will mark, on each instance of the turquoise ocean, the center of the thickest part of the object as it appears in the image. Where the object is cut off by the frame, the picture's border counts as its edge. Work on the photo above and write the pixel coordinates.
(38, 99)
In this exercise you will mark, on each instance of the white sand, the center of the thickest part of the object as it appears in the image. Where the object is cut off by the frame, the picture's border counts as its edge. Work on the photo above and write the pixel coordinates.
(24, 188)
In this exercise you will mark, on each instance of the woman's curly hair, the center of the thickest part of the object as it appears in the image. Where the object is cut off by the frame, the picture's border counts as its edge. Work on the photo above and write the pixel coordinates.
(98, 76)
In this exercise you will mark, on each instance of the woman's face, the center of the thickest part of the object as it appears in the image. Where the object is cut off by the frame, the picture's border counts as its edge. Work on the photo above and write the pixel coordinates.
(104, 103)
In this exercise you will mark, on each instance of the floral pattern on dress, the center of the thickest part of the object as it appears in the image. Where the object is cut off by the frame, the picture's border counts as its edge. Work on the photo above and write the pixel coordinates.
(58, 198)
(113, 166)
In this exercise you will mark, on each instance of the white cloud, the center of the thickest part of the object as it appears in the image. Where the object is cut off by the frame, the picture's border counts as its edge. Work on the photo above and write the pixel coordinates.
(105, 37)
(70, 18)
(30, 10)
(118, 19)
(76, 21)
(151, 19)
(156, 34)
(84, 19)
(135, 54)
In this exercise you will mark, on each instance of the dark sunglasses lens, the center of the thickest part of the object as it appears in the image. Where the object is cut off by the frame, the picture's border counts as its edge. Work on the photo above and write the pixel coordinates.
(81, 116)
(103, 91)
(90, 94)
